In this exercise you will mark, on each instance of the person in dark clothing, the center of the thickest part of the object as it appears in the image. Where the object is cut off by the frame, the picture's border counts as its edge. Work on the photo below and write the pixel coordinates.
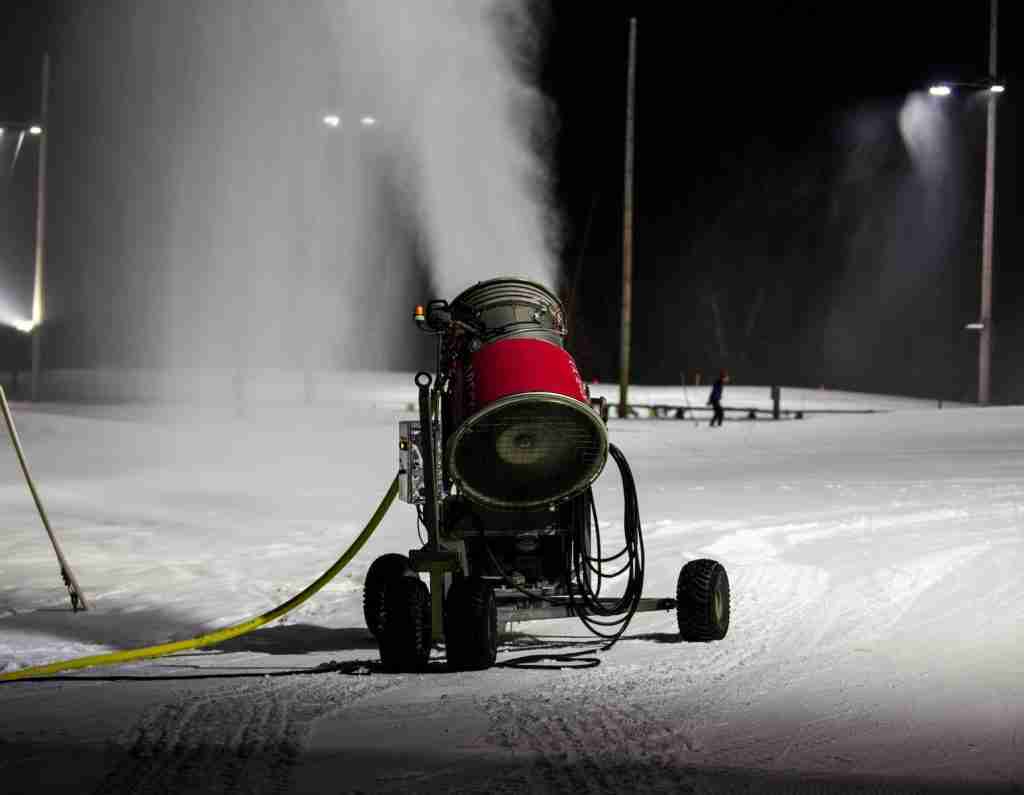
(715, 400)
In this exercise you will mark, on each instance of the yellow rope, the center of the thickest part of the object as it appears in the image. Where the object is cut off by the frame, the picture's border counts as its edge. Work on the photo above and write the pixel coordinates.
(220, 635)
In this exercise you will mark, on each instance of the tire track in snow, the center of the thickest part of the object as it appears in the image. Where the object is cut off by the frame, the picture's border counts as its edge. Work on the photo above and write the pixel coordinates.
(243, 738)
(870, 608)
(641, 728)
(786, 603)
(605, 730)
(598, 749)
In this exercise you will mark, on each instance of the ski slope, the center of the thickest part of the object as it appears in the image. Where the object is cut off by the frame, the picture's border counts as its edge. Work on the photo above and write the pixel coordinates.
(877, 639)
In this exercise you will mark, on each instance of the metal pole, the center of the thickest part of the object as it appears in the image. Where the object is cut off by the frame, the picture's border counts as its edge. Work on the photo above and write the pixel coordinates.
(38, 303)
(627, 235)
(988, 227)
(74, 589)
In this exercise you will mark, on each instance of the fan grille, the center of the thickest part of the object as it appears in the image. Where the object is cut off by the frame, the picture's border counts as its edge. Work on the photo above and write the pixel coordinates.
(528, 450)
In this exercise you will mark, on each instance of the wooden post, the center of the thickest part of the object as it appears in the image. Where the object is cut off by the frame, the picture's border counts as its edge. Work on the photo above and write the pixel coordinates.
(988, 226)
(627, 232)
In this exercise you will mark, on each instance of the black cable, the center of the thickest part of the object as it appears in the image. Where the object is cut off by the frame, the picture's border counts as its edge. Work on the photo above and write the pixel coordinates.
(419, 525)
(594, 615)
(572, 659)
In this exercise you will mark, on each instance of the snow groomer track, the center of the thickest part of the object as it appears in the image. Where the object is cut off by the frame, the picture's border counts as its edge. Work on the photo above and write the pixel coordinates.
(876, 642)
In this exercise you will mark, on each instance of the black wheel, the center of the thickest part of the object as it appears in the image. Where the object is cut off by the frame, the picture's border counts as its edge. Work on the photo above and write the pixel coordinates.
(702, 601)
(383, 571)
(471, 625)
(404, 632)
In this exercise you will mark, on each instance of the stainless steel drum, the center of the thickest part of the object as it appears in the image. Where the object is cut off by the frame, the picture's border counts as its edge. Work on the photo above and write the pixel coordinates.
(513, 308)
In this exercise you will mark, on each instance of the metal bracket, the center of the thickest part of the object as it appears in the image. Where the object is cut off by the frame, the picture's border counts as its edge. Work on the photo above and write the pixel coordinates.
(429, 559)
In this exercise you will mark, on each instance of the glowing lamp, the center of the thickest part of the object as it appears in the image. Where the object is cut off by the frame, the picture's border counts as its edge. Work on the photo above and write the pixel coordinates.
(940, 91)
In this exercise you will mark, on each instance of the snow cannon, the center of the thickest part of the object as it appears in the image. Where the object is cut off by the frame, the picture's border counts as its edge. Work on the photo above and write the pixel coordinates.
(499, 466)
(524, 434)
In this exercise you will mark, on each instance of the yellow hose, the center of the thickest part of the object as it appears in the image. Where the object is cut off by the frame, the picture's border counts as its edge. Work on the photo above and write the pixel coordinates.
(219, 635)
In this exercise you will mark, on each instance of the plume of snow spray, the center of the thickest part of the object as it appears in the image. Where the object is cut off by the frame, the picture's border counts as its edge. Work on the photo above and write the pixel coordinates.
(925, 131)
(465, 124)
(240, 229)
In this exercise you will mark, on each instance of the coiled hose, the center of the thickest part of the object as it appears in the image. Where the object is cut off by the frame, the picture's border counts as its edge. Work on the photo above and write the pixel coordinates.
(608, 622)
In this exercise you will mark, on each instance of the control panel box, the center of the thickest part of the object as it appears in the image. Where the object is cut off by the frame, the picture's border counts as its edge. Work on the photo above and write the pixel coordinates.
(410, 463)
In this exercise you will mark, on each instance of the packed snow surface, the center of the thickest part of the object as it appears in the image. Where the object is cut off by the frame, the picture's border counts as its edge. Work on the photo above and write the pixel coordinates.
(877, 638)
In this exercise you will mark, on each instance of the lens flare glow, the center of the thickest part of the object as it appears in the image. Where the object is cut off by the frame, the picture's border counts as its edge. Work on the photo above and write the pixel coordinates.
(22, 324)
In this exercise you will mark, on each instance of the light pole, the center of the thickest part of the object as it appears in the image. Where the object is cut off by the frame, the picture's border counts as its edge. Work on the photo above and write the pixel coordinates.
(39, 130)
(984, 324)
(38, 304)
(22, 323)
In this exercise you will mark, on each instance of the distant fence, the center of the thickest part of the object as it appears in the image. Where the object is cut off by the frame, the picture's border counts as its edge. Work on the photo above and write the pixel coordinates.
(672, 411)
(661, 410)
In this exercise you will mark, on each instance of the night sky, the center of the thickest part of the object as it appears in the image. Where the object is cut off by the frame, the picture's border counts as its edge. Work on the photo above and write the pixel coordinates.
(784, 229)
(772, 181)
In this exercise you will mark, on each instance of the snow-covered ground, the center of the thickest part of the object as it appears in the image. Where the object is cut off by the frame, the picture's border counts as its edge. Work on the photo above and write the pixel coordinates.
(877, 640)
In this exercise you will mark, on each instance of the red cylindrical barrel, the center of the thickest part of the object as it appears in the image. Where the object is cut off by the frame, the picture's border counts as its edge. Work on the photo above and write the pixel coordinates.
(516, 365)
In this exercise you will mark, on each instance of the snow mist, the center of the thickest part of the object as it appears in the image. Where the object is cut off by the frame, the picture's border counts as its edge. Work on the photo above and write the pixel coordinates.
(464, 124)
(251, 185)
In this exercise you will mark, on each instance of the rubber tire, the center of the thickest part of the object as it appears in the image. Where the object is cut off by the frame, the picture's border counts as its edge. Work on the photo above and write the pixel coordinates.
(471, 625)
(404, 633)
(702, 601)
(383, 571)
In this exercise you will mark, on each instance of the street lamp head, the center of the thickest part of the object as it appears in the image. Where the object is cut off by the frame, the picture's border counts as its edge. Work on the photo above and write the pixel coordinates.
(997, 88)
(35, 129)
(940, 90)
(332, 120)
(368, 121)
